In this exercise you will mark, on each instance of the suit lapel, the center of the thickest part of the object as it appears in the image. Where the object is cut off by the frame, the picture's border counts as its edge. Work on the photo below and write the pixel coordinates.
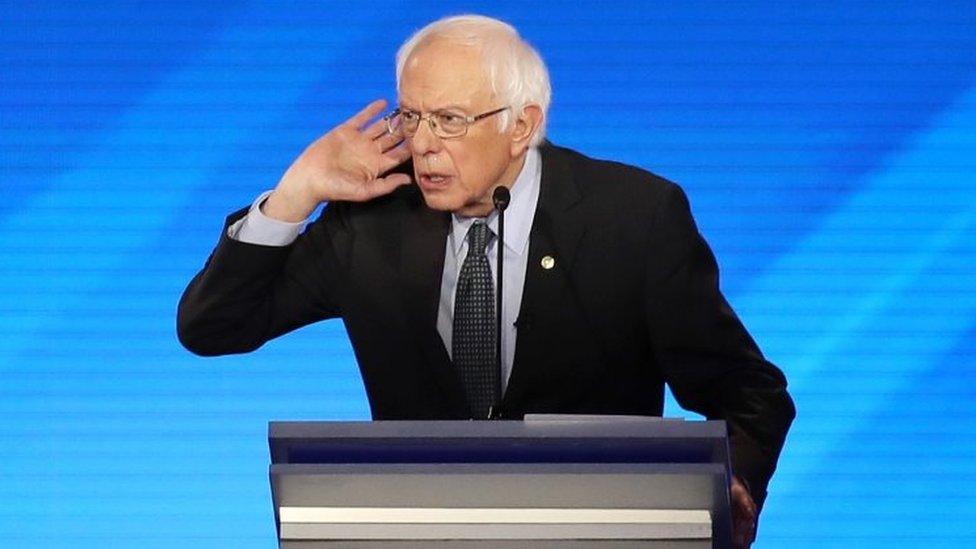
(558, 222)
(421, 267)
(422, 261)
(557, 229)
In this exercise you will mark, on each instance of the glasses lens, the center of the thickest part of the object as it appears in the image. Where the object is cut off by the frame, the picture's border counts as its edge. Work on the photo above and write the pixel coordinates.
(408, 122)
(450, 124)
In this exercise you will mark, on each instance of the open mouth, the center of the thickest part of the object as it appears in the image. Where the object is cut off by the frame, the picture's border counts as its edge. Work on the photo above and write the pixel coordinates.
(434, 180)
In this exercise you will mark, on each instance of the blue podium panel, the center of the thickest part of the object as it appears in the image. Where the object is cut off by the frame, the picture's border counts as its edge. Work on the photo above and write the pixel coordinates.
(634, 482)
(643, 440)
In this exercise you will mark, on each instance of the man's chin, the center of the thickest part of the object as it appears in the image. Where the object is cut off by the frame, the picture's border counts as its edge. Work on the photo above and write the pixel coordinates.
(440, 201)
(445, 202)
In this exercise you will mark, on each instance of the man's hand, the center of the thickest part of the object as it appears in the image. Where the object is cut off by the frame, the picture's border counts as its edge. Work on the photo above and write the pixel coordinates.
(345, 164)
(743, 515)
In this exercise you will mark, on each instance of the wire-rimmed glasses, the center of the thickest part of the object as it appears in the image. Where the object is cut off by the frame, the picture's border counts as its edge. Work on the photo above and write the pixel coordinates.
(444, 124)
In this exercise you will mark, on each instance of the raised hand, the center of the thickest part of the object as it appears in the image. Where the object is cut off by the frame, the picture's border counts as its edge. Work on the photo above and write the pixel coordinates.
(348, 163)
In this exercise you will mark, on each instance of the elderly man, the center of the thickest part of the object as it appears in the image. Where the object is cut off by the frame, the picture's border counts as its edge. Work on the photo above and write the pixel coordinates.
(610, 291)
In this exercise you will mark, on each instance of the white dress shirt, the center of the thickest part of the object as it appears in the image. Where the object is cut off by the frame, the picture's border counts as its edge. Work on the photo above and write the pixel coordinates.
(518, 224)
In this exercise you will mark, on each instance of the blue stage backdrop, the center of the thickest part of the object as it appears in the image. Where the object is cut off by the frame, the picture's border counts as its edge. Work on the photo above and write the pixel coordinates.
(828, 150)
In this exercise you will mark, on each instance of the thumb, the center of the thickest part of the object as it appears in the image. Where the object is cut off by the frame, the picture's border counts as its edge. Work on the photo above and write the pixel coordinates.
(386, 185)
(398, 179)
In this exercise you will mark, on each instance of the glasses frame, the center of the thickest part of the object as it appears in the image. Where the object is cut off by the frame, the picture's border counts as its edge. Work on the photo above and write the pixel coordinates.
(434, 127)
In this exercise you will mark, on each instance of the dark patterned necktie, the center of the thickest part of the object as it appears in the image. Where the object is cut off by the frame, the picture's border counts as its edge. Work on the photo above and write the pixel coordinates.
(473, 339)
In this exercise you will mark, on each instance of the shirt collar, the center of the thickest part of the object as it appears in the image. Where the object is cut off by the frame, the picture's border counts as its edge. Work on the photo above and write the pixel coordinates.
(518, 215)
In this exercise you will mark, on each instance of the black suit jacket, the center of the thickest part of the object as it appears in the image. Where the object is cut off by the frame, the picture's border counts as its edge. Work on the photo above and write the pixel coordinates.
(632, 302)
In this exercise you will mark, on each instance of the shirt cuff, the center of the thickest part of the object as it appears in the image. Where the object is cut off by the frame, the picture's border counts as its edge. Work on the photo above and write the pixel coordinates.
(257, 228)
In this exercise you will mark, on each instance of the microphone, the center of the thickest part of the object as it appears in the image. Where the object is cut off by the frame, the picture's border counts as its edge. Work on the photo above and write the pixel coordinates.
(500, 197)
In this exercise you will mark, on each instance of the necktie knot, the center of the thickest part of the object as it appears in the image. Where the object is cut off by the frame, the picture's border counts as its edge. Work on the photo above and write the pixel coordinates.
(478, 236)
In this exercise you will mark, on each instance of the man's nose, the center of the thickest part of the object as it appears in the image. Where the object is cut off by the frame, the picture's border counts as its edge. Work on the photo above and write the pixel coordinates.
(423, 140)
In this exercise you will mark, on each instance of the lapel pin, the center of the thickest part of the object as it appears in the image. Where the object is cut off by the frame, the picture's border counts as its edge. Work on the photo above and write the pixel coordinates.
(548, 262)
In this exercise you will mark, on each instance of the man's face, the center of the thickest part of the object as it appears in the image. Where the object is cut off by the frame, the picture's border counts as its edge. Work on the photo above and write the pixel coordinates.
(456, 174)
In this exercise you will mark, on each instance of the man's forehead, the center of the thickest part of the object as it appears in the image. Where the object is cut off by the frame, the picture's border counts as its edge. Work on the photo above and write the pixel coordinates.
(440, 75)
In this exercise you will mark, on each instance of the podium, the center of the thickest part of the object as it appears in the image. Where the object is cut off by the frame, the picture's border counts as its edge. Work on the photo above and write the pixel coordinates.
(545, 482)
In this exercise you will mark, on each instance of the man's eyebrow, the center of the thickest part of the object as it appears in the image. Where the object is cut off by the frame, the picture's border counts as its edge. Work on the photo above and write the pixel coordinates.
(451, 107)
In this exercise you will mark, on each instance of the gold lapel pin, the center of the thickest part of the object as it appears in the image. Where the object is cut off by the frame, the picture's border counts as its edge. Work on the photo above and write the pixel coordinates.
(548, 262)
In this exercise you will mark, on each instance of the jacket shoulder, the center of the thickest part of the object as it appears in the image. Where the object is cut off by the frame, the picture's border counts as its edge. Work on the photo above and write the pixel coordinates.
(612, 188)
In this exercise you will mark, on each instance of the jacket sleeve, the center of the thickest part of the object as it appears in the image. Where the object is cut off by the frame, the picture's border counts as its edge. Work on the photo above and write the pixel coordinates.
(247, 294)
(709, 360)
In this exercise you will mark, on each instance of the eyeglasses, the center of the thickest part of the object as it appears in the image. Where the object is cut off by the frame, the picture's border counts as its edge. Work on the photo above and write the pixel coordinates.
(444, 124)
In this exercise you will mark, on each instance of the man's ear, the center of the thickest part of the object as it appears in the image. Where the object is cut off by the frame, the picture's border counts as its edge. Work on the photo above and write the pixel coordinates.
(527, 123)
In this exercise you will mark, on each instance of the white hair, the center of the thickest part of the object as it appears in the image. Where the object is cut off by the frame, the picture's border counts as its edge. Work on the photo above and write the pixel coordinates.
(516, 72)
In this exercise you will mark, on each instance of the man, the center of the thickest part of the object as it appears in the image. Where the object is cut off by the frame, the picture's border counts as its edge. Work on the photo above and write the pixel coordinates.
(609, 289)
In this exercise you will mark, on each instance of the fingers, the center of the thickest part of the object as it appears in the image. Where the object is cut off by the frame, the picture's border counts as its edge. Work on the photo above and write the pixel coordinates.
(386, 185)
(388, 141)
(360, 119)
(743, 515)
(376, 129)
(743, 533)
(394, 157)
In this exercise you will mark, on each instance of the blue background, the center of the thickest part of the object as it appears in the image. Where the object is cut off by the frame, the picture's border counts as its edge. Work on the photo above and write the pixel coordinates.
(828, 150)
